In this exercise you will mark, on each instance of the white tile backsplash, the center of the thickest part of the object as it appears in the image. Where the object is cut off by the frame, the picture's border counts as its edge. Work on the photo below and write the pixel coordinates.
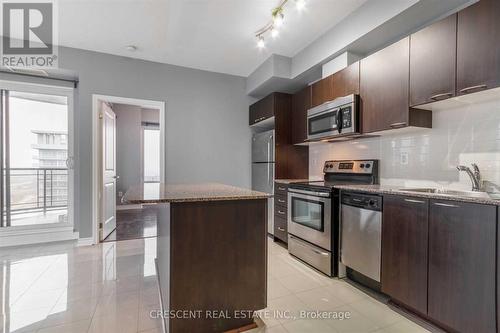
(428, 157)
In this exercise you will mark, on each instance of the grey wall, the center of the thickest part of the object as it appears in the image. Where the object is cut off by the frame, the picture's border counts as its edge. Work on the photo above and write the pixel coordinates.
(128, 145)
(207, 133)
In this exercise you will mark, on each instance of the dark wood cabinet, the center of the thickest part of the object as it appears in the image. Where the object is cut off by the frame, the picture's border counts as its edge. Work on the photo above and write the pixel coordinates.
(346, 81)
(478, 49)
(404, 251)
(462, 266)
(301, 102)
(262, 109)
(498, 269)
(384, 89)
(280, 229)
(433, 62)
(322, 91)
(280, 212)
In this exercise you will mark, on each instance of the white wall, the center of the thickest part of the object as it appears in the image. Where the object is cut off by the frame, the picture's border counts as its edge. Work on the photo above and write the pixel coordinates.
(459, 136)
(128, 145)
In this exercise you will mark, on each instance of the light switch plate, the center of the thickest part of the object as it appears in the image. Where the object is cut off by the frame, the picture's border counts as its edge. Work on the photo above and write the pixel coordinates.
(403, 158)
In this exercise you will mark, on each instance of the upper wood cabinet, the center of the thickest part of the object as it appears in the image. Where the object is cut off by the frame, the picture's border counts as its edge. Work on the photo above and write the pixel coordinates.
(301, 102)
(262, 109)
(478, 49)
(346, 81)
(462, 266)
(404, 250)
(384, 89)
(433, 62)
(322, 91)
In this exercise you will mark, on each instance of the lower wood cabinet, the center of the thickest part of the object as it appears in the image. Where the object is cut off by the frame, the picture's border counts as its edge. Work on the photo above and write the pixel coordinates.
(404, 250)
(280, 228)
(280, 212)
(439, 259)
(462, 266)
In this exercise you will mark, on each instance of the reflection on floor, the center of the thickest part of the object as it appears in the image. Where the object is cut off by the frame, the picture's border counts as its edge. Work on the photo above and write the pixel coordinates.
(112, 287)
(133, 224)
(58, 287)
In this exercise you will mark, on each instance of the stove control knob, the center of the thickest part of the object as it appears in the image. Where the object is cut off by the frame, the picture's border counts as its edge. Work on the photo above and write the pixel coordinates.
(367, 165)
(361, 165)
(371, 202)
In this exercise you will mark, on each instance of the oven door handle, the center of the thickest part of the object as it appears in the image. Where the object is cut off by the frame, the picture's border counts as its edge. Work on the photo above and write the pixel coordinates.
(339, 120)
(310, 193)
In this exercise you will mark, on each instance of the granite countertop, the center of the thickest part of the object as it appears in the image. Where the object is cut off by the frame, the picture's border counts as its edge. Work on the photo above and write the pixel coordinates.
(162, 193)
(291, 181)
(489, 199)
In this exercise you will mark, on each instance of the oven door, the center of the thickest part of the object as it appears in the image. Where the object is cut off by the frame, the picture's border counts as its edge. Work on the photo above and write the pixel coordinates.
(309, 217)
(323, 123)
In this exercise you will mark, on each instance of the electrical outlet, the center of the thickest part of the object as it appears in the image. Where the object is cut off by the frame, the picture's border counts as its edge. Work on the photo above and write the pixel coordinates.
(120, 194)
(403, 158)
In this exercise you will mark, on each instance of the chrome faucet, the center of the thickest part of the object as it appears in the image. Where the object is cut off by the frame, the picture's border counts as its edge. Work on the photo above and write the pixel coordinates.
(475, 176)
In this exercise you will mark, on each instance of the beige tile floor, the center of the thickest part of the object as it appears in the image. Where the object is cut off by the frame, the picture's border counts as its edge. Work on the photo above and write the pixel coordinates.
(112, 287)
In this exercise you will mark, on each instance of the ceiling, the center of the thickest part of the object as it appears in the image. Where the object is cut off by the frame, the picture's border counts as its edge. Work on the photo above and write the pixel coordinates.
(214, 35)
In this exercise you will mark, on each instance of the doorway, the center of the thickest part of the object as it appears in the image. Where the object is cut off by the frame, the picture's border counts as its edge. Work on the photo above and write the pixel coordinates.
(36, 158)
(128, 152)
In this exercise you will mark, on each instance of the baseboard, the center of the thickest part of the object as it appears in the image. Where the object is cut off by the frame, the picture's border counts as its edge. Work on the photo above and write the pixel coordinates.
(22, 236)
(88, 241)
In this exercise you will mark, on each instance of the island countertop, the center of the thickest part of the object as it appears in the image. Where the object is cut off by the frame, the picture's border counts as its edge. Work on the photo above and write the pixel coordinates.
(148, 193)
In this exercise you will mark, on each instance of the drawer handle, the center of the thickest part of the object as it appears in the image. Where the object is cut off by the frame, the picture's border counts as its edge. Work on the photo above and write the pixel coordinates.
(282, 188)
(395, 125)
(473, 88)
(319, 252)
(439, 97)
(415, 201)
(446, 205)
(308, 247)
(282, 201)
(281, 229)
(281, 212)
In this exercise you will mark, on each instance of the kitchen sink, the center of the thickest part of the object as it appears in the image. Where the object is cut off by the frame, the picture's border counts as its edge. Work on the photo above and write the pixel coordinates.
(455, 193)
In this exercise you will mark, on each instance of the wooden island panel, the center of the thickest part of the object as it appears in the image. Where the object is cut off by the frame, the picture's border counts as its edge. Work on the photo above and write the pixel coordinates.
(218, 261)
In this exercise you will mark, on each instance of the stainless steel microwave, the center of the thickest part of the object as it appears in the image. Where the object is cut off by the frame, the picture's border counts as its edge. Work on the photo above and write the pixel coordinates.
(339, 117)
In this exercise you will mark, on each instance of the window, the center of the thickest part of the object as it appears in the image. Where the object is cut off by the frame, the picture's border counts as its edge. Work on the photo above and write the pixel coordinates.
(151, 155)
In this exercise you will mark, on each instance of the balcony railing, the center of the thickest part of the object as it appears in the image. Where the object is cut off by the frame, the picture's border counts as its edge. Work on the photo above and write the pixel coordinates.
(37, 189)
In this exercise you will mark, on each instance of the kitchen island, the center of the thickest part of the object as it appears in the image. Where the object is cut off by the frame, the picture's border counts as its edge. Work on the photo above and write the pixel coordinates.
(211, 254)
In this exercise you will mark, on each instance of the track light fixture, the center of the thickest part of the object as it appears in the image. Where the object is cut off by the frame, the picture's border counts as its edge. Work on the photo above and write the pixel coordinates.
(277, 20)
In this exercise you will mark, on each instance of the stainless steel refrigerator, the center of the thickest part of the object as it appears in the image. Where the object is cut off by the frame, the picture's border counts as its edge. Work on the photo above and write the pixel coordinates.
(263, 169)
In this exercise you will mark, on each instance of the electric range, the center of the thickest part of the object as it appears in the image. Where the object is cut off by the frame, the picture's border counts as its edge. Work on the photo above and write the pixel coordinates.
(313, 212)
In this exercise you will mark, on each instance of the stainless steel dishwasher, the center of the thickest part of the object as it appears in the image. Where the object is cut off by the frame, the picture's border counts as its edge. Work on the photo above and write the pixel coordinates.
(361, 233)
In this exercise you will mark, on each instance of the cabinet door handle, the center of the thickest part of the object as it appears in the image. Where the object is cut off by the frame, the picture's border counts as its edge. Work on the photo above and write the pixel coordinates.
(281, 212)
(474, 88)
(439, 97)
(282, 201)
(282, 188)
(281, 229)
(446, 205)
(415, 201)
(401, 124)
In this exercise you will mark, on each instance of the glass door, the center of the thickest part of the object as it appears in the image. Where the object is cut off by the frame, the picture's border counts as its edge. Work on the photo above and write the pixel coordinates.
(151, 154)
(309, 213)
(36, 157)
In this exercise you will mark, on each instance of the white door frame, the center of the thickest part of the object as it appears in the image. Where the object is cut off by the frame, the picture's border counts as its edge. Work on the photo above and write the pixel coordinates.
(96, 99)
(30, 234)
